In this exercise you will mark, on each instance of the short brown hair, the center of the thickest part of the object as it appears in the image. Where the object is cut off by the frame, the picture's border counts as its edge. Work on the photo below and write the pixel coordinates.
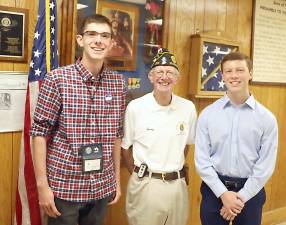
(96, 18)
(236, 56)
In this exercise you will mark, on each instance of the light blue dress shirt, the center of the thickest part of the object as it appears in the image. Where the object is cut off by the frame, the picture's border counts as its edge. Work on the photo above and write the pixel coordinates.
(236, 141)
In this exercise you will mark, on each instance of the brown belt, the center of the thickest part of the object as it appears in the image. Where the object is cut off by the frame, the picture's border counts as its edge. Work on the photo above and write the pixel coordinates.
(164, 176)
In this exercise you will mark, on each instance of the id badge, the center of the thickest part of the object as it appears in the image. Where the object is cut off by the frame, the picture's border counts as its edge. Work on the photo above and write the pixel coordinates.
(91, 158)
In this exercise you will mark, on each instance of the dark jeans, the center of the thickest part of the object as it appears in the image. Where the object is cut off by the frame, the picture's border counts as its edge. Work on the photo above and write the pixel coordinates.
(78, 213)
(211, 205)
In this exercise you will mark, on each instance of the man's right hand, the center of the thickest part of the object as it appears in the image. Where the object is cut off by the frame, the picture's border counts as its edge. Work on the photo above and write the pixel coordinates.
(47, 202)
(232, 205)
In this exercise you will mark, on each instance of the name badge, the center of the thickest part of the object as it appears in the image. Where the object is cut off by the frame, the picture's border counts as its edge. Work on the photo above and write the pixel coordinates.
(91, 158)
(108, 97)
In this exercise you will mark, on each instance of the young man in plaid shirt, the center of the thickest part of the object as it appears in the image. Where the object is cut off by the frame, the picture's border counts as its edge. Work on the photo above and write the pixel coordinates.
(80, 107)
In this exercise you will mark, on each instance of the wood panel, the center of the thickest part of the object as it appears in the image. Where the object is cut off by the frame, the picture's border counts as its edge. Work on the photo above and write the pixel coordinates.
(67, 32)
(5, 178)
(16, 143)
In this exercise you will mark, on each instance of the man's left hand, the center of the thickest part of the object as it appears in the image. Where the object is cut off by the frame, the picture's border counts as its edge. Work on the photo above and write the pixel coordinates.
(116, 195)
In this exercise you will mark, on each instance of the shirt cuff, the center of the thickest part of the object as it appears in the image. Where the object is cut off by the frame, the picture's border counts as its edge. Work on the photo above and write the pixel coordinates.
(125, 146)
(244, 194)
(219, 189)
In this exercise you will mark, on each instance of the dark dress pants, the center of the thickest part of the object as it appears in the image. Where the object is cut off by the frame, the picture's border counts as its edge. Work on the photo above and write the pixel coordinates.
(77, 213)
(211, 205)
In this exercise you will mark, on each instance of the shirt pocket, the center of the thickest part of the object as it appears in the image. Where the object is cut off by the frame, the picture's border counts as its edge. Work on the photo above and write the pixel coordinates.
(145, 134)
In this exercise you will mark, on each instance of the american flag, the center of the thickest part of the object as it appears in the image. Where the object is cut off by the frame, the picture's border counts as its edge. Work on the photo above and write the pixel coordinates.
(44, 58)
(211, 77)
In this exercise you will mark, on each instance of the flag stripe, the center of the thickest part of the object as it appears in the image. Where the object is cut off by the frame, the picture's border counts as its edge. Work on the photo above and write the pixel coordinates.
(29, 174)
(18, 209)
(44, 57)
(48, 38)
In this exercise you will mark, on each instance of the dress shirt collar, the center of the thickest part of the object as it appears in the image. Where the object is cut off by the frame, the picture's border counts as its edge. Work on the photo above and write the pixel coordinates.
(87, 75)
(249, 102)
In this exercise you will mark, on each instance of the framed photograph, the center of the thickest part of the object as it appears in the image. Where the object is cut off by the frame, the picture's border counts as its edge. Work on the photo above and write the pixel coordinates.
(207, 51)
(124, 21)
(153, 26)
(13, 34)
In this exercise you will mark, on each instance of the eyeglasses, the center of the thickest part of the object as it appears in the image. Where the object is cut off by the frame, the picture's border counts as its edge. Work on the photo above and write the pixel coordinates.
(93, 34)
(160, 73)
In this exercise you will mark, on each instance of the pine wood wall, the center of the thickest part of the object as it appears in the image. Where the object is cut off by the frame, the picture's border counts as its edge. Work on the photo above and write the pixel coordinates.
(185, 17)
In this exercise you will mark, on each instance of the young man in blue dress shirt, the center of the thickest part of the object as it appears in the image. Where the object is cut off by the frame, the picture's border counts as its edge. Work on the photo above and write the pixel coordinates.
(235, 149)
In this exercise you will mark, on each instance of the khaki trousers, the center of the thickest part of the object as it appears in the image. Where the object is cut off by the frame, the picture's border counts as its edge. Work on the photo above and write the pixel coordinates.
(151, 201)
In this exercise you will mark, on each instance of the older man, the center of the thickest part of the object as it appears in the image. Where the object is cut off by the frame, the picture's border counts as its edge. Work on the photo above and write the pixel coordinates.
(158, 126)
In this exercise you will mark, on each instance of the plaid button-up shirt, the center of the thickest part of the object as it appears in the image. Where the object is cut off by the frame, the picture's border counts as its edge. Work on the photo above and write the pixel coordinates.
(76, 109)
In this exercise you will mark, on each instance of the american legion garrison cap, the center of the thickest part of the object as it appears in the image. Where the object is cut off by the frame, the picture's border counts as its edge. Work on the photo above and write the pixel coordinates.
(164, 58)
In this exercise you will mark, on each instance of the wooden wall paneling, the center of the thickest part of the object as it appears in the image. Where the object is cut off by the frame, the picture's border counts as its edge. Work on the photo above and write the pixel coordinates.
(211, 16)
(231, 18)
(117, 213)
(221, 17)
(267, 101)
(16, 141)
(172, 17)
(64, 14)
(166, 23)
(255, 89)
(68, 30)
(244, 25)
(274, 217)
(199, 15)
(278, 197)
(194, 187)
(6, 152)
(6, 66)
(182, 42)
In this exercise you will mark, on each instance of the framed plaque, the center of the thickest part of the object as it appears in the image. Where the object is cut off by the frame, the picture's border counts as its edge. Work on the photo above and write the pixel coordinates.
(13, 34)
(268, 41)
(207, 51)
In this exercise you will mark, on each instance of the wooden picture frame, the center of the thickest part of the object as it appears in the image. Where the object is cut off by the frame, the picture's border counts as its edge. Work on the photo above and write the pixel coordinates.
(207, 51)
(124, 19)
(13, 34)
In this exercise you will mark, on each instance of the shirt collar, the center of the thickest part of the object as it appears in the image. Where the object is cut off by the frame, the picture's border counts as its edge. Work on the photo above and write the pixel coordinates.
(156, 107)
(87, 75)
(250, 101)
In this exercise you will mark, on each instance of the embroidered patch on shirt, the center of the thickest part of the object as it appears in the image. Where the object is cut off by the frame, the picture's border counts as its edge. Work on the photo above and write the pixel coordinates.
(181, 127)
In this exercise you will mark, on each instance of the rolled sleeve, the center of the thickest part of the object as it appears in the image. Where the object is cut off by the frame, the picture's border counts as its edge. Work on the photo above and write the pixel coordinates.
(47, 109)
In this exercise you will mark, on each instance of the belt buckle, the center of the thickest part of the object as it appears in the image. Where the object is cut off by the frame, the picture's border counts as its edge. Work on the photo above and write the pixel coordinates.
(163, 175)
(231, 184)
